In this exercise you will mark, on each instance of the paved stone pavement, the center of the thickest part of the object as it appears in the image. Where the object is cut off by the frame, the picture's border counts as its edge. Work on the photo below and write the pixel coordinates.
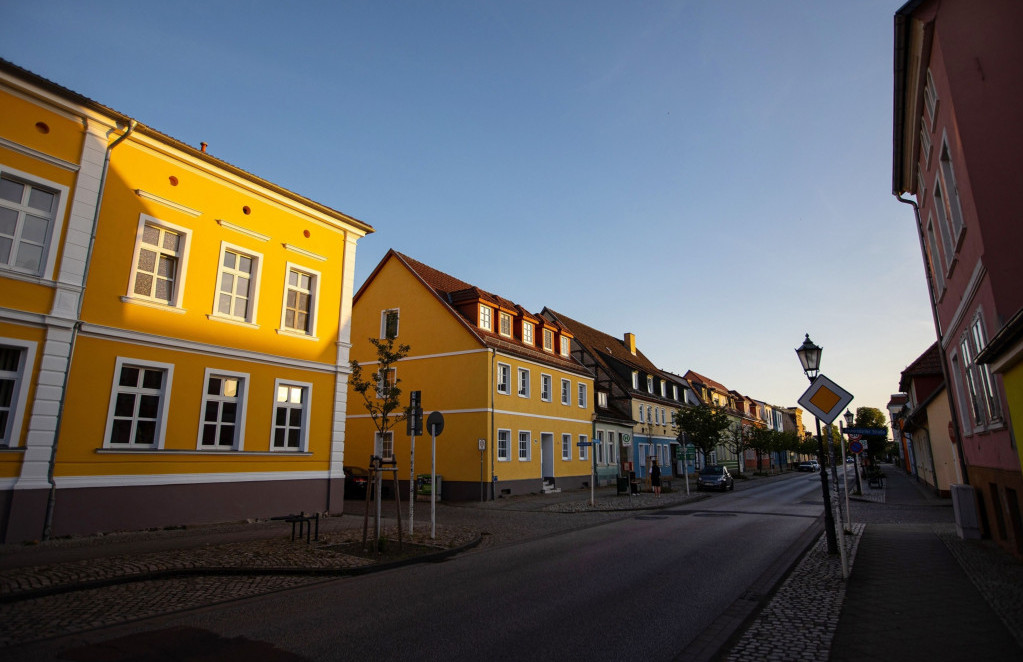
(916, 591)
(65, 586)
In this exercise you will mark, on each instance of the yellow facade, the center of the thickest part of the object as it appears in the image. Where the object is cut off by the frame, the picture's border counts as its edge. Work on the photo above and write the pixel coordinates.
(173, 330)
(456, 364)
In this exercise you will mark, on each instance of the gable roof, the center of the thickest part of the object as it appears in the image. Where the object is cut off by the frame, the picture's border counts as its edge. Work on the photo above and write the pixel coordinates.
(694, 377)
(602, 345)
(451, 291)
(927, 364)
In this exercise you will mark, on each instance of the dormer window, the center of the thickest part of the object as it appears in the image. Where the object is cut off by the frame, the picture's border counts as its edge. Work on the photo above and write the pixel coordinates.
(548, 340)
(649, 384)
(486, 317)
(527, 333)
(602, 399)
(506, 324)
(566, 345)
(674, 391)
(635, 379)
(664, 389)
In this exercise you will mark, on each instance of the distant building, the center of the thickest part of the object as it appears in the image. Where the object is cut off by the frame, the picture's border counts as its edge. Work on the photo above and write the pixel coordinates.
(173, 329)
(923, 422)
(956, 149)
(518, 408)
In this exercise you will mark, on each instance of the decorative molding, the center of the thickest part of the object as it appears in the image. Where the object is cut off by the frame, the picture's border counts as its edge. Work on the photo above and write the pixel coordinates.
(145, 195)
(72, 482)
(150, 340)
(36, 154)
(302, 251)
(228, 225)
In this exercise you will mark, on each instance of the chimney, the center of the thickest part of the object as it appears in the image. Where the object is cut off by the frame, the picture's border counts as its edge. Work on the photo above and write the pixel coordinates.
(630, 342)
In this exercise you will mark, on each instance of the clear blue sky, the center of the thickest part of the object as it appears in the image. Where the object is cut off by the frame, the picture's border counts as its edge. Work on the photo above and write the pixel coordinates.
(713, 176)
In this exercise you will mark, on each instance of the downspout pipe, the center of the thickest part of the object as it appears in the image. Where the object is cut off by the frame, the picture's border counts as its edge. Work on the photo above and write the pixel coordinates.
(949, 390)
(51, 497)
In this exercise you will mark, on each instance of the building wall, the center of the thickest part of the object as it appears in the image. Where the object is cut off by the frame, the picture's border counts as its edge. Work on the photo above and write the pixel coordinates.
(81, 321)
(456, 373)
(974, 56)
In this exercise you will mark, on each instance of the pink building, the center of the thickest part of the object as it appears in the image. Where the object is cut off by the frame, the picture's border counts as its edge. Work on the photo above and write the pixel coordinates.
(957, 144)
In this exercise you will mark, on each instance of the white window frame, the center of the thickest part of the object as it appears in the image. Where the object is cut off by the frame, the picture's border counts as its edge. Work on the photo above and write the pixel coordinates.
(527, 333)
(674, 392)
(641, 413)
(584, 451)
(525, 443)
(566, 446)
(254, 280)
(548, 340)
(934, 260)
(602, 399)
(635, 380)
(546, 387)
(384, 315)
(240, 400)
(566, 392)
(164, 393)
(583, 395)
(522, 385)
(314, 300)
(504, 320)
(486, 317)
(383, 444)
(504, 445)
(181, 262)
(598, 447)
(306, 408)
(565, 345)
(10, 436)
(54, 231)
(664, 389)
(390, 378)
(931, 99)
(944, 223)
(957, 225)
(650, 384)
(504, 378)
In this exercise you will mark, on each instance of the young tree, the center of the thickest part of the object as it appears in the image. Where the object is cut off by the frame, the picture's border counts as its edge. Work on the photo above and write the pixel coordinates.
(380, 391)
(871, 417)
(762, 440)
(701, 426)
(737, 441)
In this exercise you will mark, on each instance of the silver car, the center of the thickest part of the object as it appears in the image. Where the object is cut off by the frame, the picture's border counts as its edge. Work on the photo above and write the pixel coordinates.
(714, 477)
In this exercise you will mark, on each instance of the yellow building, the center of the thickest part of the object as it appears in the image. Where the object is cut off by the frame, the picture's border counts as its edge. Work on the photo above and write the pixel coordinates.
(173, 329)
(516, 405)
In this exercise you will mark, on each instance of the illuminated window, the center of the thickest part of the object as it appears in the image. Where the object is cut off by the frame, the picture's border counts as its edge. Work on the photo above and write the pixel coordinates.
(223, 411)
(291, 416)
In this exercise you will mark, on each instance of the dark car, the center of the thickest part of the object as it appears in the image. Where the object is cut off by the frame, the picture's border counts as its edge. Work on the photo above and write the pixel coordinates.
(356, 480)
(714, 477)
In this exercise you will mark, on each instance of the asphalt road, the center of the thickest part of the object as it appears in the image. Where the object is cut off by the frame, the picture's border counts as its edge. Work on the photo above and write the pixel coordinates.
(645, 587)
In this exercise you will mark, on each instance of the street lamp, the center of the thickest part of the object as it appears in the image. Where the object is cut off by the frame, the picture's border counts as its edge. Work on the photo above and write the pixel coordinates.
(849, 419)
(810, 356)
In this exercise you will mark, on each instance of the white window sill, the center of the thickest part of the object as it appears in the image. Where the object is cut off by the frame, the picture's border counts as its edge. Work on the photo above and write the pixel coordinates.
(160, 305)
(295, 334)
(232, 320)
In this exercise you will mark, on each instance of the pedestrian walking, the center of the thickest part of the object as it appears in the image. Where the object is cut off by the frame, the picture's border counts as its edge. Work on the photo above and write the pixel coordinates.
(655, 478)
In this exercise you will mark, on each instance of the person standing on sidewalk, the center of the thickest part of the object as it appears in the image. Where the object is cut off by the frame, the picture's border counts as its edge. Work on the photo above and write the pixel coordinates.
(655, 478)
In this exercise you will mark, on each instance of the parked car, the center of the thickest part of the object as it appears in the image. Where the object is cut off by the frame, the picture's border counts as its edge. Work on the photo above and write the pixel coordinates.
(356, 481)
(714, 477)
(808, 466)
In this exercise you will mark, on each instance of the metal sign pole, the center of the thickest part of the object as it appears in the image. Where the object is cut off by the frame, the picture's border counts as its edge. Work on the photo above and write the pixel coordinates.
(412, 486)
(433, 483)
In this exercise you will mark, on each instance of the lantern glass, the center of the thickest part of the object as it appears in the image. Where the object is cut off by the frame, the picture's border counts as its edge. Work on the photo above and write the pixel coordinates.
(810, 356)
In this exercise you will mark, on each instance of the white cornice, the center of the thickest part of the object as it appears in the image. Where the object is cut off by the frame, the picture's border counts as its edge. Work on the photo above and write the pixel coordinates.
(150, 340)
(245, 231)
(36, 154)
(146, 195)
(302, 251)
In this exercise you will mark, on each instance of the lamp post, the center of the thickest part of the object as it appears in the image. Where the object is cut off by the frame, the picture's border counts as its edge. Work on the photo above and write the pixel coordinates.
(849, 419)
(810, 356)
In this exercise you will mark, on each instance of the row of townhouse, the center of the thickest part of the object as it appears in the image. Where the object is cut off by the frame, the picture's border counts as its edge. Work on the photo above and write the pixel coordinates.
(531, 402)
(956, 145)
(173, 330)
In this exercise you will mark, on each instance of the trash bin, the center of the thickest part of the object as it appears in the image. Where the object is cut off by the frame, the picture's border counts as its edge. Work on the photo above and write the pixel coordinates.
(623, 485)
(423, 485)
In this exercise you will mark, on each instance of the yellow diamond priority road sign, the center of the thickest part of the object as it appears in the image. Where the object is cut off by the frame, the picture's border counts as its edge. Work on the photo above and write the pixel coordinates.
(825, 399)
